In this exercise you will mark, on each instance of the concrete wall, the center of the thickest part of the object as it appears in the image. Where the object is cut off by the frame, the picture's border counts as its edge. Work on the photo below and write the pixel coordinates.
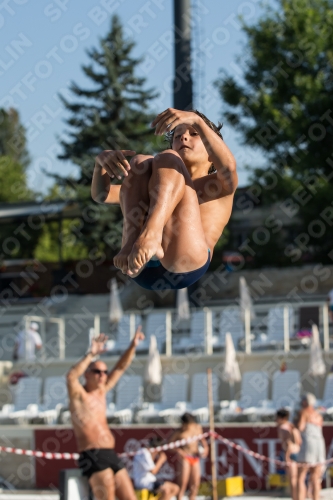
(17, 469)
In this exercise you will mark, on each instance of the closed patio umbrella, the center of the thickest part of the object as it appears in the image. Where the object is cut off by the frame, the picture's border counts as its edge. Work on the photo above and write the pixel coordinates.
(115, 307)
(317, 366)
(231, 372)
(183, 305)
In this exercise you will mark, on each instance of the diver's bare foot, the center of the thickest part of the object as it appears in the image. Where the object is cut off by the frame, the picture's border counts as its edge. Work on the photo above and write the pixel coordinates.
(145, 247)
(121, 259)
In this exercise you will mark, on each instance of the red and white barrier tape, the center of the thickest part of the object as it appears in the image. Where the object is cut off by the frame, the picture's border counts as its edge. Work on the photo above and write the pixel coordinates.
(169, 446)
(75, 456)
(263, 457)
(41, 454)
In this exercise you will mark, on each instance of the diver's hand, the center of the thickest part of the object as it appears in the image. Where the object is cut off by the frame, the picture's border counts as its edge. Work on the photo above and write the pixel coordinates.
(114, 162)
(171, 118)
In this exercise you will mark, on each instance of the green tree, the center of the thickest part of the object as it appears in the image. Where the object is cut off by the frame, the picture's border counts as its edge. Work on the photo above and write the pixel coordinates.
(114, 114)
(12, 137)
(14, 188)
(55, 235)
(13, 181)
(282, 105)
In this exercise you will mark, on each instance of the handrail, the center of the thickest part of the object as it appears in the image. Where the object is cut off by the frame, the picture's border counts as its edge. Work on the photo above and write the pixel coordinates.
(209, 326)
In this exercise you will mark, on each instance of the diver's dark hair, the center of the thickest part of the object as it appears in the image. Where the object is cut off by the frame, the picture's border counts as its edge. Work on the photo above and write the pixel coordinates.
(215, 128)
(283, 413)
(187, 418)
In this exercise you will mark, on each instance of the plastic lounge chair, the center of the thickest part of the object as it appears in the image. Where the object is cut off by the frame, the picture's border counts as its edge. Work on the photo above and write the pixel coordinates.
(254, 390)
(54, 400)
(174, 394)
(197, 339)
(275, 328)
(128, 397)
(326, 403)
(26, 401)
(198, 405)
(155, 325)
(199, 395)
(230, 322)
(125, 332)
(286, 392)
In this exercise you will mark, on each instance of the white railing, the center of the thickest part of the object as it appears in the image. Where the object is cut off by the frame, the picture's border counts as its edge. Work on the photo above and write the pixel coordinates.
(82, 322)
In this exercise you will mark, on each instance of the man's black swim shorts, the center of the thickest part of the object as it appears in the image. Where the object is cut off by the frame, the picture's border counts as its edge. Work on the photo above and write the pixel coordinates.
(98, 459)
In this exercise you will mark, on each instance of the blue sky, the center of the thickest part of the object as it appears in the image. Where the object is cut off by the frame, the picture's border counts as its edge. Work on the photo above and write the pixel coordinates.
(43, 48)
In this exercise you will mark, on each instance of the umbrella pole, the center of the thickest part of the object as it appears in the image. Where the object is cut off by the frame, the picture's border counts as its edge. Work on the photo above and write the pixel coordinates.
(211, 428)
(232, 391)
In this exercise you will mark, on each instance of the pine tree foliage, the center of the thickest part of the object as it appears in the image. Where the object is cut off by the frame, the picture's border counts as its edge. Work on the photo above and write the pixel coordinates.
(112, 114)
(14, 160)
(12, 137)
(283, 105)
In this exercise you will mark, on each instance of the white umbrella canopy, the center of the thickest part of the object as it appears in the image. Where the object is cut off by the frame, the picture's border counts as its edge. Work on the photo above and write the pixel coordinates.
(183, 305)
(245, 300)
(153, 369)
(115, 307)
(317, 366)
(231, 372)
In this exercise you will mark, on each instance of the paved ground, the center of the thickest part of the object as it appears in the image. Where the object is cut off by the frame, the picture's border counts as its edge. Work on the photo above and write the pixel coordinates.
(45, 495)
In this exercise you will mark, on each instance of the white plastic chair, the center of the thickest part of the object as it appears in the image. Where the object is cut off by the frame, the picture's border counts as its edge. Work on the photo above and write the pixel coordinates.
(26, 400)
(327, 401)
(275, 327)
(286, 389)
(197, 339)
(230, 322)
(286, 393)
(125, 331)
(128, 397)
(174, 395)
(198, 404)
(55, 398)
(254, 391)
(155, 325)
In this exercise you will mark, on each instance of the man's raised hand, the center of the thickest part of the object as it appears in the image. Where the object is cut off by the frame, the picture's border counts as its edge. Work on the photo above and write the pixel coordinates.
(114, 162)
(98, 344)
(138, 337)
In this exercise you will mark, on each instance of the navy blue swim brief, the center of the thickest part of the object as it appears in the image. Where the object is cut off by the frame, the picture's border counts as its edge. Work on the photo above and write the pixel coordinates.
(156, 277)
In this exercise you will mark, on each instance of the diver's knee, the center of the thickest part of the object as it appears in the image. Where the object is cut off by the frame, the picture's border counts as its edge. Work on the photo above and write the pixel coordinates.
(167, 152)
(168, 158)
(141, 163)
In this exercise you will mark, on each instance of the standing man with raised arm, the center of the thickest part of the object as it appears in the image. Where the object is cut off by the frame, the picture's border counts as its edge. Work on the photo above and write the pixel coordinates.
(105, 471)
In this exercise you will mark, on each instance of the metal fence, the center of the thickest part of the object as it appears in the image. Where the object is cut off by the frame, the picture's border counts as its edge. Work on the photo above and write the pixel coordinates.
(67, 336)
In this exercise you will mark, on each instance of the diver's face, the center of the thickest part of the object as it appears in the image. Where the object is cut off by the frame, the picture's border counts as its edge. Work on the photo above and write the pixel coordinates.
(188, 144)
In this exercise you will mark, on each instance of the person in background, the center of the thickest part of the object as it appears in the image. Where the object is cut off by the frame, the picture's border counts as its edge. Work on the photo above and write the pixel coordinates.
(188, 456)
(291, 440)
(330, 304)
(105, 471)
(146, 464)
(27, 343)
(312, 450)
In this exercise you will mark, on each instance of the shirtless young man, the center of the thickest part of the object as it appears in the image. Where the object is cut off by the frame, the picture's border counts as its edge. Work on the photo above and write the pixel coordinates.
(291, 440)
(188, 457)
(174, 211)
(105, 471)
